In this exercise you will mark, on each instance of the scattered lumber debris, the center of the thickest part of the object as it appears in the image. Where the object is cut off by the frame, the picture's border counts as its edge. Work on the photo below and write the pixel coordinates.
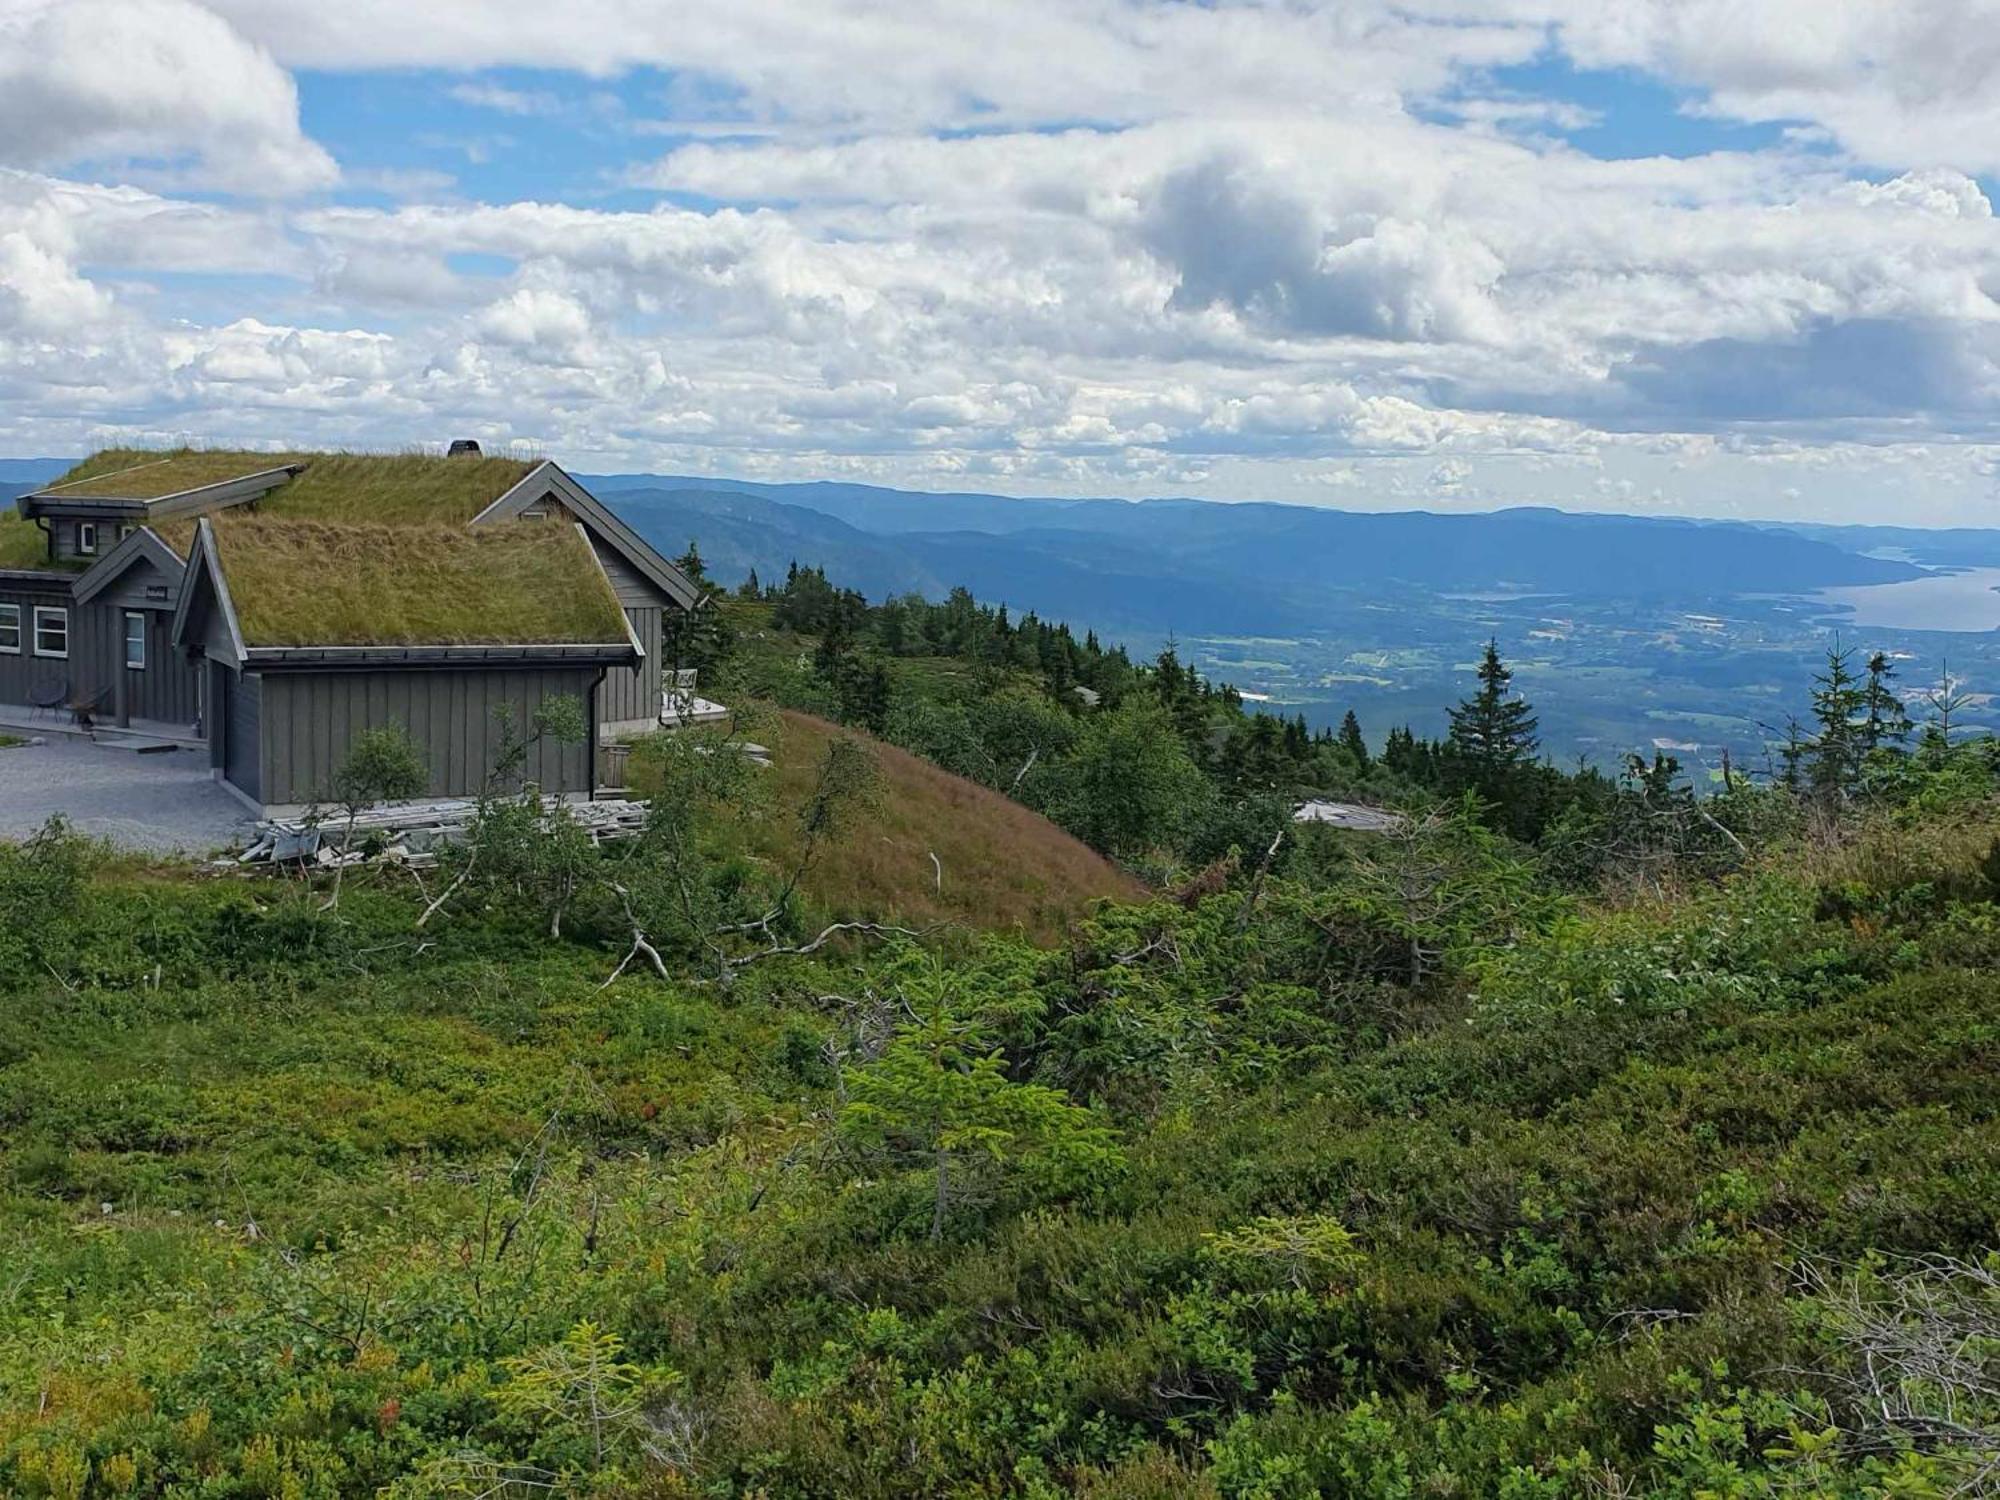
(410, 833)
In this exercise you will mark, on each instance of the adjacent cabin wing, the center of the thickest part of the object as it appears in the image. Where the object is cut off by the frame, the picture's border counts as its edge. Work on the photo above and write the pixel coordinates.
(637, 571)
(140, 569)
(634, 698)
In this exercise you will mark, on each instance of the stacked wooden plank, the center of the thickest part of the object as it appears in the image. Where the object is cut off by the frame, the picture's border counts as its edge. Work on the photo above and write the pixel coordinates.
(412, 833)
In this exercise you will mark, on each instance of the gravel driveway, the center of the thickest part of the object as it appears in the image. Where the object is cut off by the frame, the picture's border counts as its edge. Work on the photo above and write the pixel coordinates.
(155, 804)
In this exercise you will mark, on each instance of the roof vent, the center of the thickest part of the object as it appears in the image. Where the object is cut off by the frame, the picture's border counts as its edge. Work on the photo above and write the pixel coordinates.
(463, 448)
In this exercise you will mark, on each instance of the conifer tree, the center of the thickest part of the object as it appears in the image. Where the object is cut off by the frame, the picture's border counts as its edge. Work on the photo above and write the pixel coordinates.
(1888, 722)
(1493, 731)
(690, 563)
(1351, 740)
(1839, 700)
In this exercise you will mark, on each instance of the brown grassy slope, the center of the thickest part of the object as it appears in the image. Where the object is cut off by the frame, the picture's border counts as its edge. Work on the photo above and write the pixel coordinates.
(1005, 867)
(301, 583)
(391, 488)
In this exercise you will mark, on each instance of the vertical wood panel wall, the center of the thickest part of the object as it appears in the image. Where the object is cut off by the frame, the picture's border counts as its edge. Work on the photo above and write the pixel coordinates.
(632, 694)
(21, 671)
(310, 718)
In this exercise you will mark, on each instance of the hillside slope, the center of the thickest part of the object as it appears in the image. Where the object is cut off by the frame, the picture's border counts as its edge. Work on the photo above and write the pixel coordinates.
(1000, 866)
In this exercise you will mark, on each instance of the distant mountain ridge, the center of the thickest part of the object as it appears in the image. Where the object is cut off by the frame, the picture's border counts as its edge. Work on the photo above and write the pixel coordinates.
(1191, 565)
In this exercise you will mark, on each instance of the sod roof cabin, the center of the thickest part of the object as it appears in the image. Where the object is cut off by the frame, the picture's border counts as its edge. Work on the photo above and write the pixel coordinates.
(275, 605)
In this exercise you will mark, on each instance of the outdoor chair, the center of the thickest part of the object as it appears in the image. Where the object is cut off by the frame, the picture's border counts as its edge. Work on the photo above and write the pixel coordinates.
(46, 695)
(84, 709)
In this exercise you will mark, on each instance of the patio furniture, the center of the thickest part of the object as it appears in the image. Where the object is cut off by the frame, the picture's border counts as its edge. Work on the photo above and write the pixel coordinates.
(84, 708)
(48, 694)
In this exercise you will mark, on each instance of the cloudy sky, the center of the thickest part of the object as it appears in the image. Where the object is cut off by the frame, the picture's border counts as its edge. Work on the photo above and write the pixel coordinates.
(1663, 255)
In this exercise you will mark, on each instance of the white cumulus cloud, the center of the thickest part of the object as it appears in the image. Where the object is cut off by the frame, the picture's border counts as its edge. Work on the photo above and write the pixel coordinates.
(164, 82)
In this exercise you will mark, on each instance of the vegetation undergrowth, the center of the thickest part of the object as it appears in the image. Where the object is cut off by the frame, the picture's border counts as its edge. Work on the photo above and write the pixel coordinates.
(1211, 1200)
(1570, 1136)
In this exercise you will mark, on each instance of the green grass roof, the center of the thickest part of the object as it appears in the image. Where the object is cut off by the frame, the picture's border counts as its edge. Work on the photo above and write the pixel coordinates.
(133, 474)
(22, 543)
(390, 488)
(315, 583)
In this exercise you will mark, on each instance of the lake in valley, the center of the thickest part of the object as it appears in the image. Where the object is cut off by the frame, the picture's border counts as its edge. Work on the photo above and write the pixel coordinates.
(1965, 600)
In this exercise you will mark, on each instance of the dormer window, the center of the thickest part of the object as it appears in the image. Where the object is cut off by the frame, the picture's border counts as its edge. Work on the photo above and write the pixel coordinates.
(86, 538)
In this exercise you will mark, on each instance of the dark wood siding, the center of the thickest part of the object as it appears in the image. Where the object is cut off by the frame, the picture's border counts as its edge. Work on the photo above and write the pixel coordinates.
(310, 718)
(166, 687)
(632, 694)
(633, 588)
(21, 670)
(242, 719)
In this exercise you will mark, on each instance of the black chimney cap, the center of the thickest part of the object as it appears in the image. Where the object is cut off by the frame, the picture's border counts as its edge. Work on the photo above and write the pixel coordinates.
(463, 448)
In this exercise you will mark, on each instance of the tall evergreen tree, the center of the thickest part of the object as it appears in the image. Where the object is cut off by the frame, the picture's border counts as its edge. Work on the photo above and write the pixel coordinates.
(1492, 732)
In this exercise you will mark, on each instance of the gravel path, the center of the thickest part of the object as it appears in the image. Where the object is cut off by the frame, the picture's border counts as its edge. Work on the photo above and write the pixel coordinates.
(154, 804)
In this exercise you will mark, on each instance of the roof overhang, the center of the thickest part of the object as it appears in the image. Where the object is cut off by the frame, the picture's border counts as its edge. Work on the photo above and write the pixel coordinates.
(200, 499)
(548, 478)
(204, 580)
(142, 546)
(377, 657)
(36, 578)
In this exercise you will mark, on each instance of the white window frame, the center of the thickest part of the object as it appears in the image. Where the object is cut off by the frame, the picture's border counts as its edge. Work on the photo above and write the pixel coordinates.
(140, 616)
(56, 612)
(86, 538)
(10, 619)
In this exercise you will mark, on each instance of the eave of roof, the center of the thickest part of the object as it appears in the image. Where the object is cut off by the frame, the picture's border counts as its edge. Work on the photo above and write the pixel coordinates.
(578, 653)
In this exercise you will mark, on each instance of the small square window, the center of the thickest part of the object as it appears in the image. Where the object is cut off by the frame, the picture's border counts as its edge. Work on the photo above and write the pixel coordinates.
(135, 640)
(86, 538)
(51, 631)
(10, 629)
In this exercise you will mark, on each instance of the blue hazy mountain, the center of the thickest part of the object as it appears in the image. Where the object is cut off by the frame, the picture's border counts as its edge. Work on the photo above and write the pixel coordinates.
(1104, 582)
(1078, 558)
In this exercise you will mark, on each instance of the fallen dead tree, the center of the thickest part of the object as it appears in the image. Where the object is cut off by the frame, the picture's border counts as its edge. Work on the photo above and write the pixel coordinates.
(412, 834)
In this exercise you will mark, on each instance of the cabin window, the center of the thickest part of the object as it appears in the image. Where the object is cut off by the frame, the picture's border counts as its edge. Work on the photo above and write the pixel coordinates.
(125, 529)
(10, 629)
(51, 631)
(86, 537)
(135, 640)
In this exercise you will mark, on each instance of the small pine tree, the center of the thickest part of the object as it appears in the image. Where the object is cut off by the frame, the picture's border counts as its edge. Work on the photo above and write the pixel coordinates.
(1839, 702)
(1888, 722)
(690, 563)
(750, 588)
(1351, 740)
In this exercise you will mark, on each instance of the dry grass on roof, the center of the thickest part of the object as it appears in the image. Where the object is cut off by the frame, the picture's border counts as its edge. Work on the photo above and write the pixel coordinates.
(390, 488)
(396, 489)
(308, 583)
